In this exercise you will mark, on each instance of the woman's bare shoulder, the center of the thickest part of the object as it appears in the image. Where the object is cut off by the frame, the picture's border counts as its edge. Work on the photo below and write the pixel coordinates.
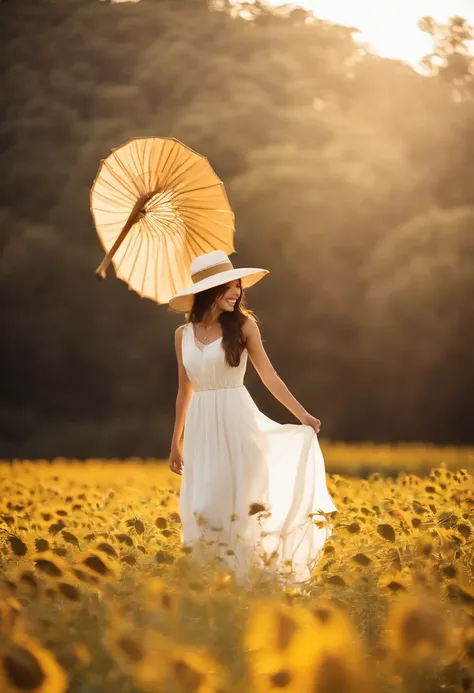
(179, 331)
(250, 326)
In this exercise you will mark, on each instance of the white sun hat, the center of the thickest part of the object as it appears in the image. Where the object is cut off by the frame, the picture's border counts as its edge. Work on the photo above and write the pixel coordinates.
(213, 269)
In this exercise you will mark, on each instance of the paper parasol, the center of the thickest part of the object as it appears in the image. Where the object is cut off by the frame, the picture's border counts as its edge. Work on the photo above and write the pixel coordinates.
(156, 206)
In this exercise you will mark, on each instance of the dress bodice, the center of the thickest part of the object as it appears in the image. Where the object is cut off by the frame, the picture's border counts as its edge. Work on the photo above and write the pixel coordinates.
(234, 455)
(206, 366)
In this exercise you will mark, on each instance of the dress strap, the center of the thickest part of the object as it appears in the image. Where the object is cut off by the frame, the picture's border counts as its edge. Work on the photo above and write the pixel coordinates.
(184, 330)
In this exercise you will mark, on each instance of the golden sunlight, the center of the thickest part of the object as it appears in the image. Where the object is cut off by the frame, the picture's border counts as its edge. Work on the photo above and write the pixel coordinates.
(390, 27)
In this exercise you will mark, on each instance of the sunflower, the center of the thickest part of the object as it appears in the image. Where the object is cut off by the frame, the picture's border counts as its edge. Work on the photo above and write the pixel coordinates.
(157, 593)
(186, 668)
(125, 644)
(272, 625)
(193, 669)
(417, 629)
(26, 666)
(323, 653)
(339, 652)
(93, 566)
(395, 580)
(335, 672)
(48, 564)
(276, 671)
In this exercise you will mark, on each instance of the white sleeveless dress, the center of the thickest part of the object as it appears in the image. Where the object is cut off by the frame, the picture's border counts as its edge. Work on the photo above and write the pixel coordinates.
(233, 456)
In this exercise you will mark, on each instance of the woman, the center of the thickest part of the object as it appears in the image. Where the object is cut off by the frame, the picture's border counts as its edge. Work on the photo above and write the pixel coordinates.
(249, 483)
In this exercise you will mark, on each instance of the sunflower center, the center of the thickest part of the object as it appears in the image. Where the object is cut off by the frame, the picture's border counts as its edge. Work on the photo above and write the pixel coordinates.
(188, 676)
(23, 669)
(281, 679)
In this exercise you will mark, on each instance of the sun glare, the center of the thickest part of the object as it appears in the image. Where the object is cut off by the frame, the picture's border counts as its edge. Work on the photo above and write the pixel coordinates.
(390, 26)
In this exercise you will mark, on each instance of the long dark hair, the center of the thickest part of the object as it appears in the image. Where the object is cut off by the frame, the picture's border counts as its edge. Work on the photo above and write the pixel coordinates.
(233, 341)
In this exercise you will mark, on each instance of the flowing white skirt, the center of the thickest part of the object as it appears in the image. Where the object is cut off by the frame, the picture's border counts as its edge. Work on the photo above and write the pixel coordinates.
(235, 456)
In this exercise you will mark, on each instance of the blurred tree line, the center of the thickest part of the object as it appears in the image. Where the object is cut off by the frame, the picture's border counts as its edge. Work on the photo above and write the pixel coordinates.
(351, 179)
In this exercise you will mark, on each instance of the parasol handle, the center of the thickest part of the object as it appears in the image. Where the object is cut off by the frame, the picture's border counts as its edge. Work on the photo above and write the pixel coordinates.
(135, 214)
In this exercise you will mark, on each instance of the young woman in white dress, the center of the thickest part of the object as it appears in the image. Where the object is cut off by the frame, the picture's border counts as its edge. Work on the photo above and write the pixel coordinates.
(252, 489)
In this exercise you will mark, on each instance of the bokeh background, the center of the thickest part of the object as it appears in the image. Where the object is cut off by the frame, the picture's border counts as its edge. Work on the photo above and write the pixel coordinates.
(351, 176)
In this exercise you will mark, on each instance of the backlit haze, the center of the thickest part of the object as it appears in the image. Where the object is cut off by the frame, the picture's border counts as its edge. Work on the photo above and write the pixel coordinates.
(390, 26)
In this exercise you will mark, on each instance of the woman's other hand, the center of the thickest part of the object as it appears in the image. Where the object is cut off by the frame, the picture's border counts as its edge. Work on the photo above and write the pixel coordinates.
(312, 421)
(176, 461)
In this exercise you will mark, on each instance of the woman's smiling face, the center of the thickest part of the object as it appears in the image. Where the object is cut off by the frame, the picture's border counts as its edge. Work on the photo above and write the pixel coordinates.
(232, 293)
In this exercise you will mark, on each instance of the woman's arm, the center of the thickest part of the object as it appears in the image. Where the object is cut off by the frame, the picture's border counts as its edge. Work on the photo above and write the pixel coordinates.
(185, 390)
(270, 377)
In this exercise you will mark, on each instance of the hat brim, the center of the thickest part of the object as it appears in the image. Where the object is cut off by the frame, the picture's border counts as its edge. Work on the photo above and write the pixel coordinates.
(183, 302)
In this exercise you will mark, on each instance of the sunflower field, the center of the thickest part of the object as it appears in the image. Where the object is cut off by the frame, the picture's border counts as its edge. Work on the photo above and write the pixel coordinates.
(97, 594)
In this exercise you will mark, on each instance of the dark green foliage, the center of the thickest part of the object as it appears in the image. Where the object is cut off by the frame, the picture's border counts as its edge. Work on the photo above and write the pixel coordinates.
(351, 178)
